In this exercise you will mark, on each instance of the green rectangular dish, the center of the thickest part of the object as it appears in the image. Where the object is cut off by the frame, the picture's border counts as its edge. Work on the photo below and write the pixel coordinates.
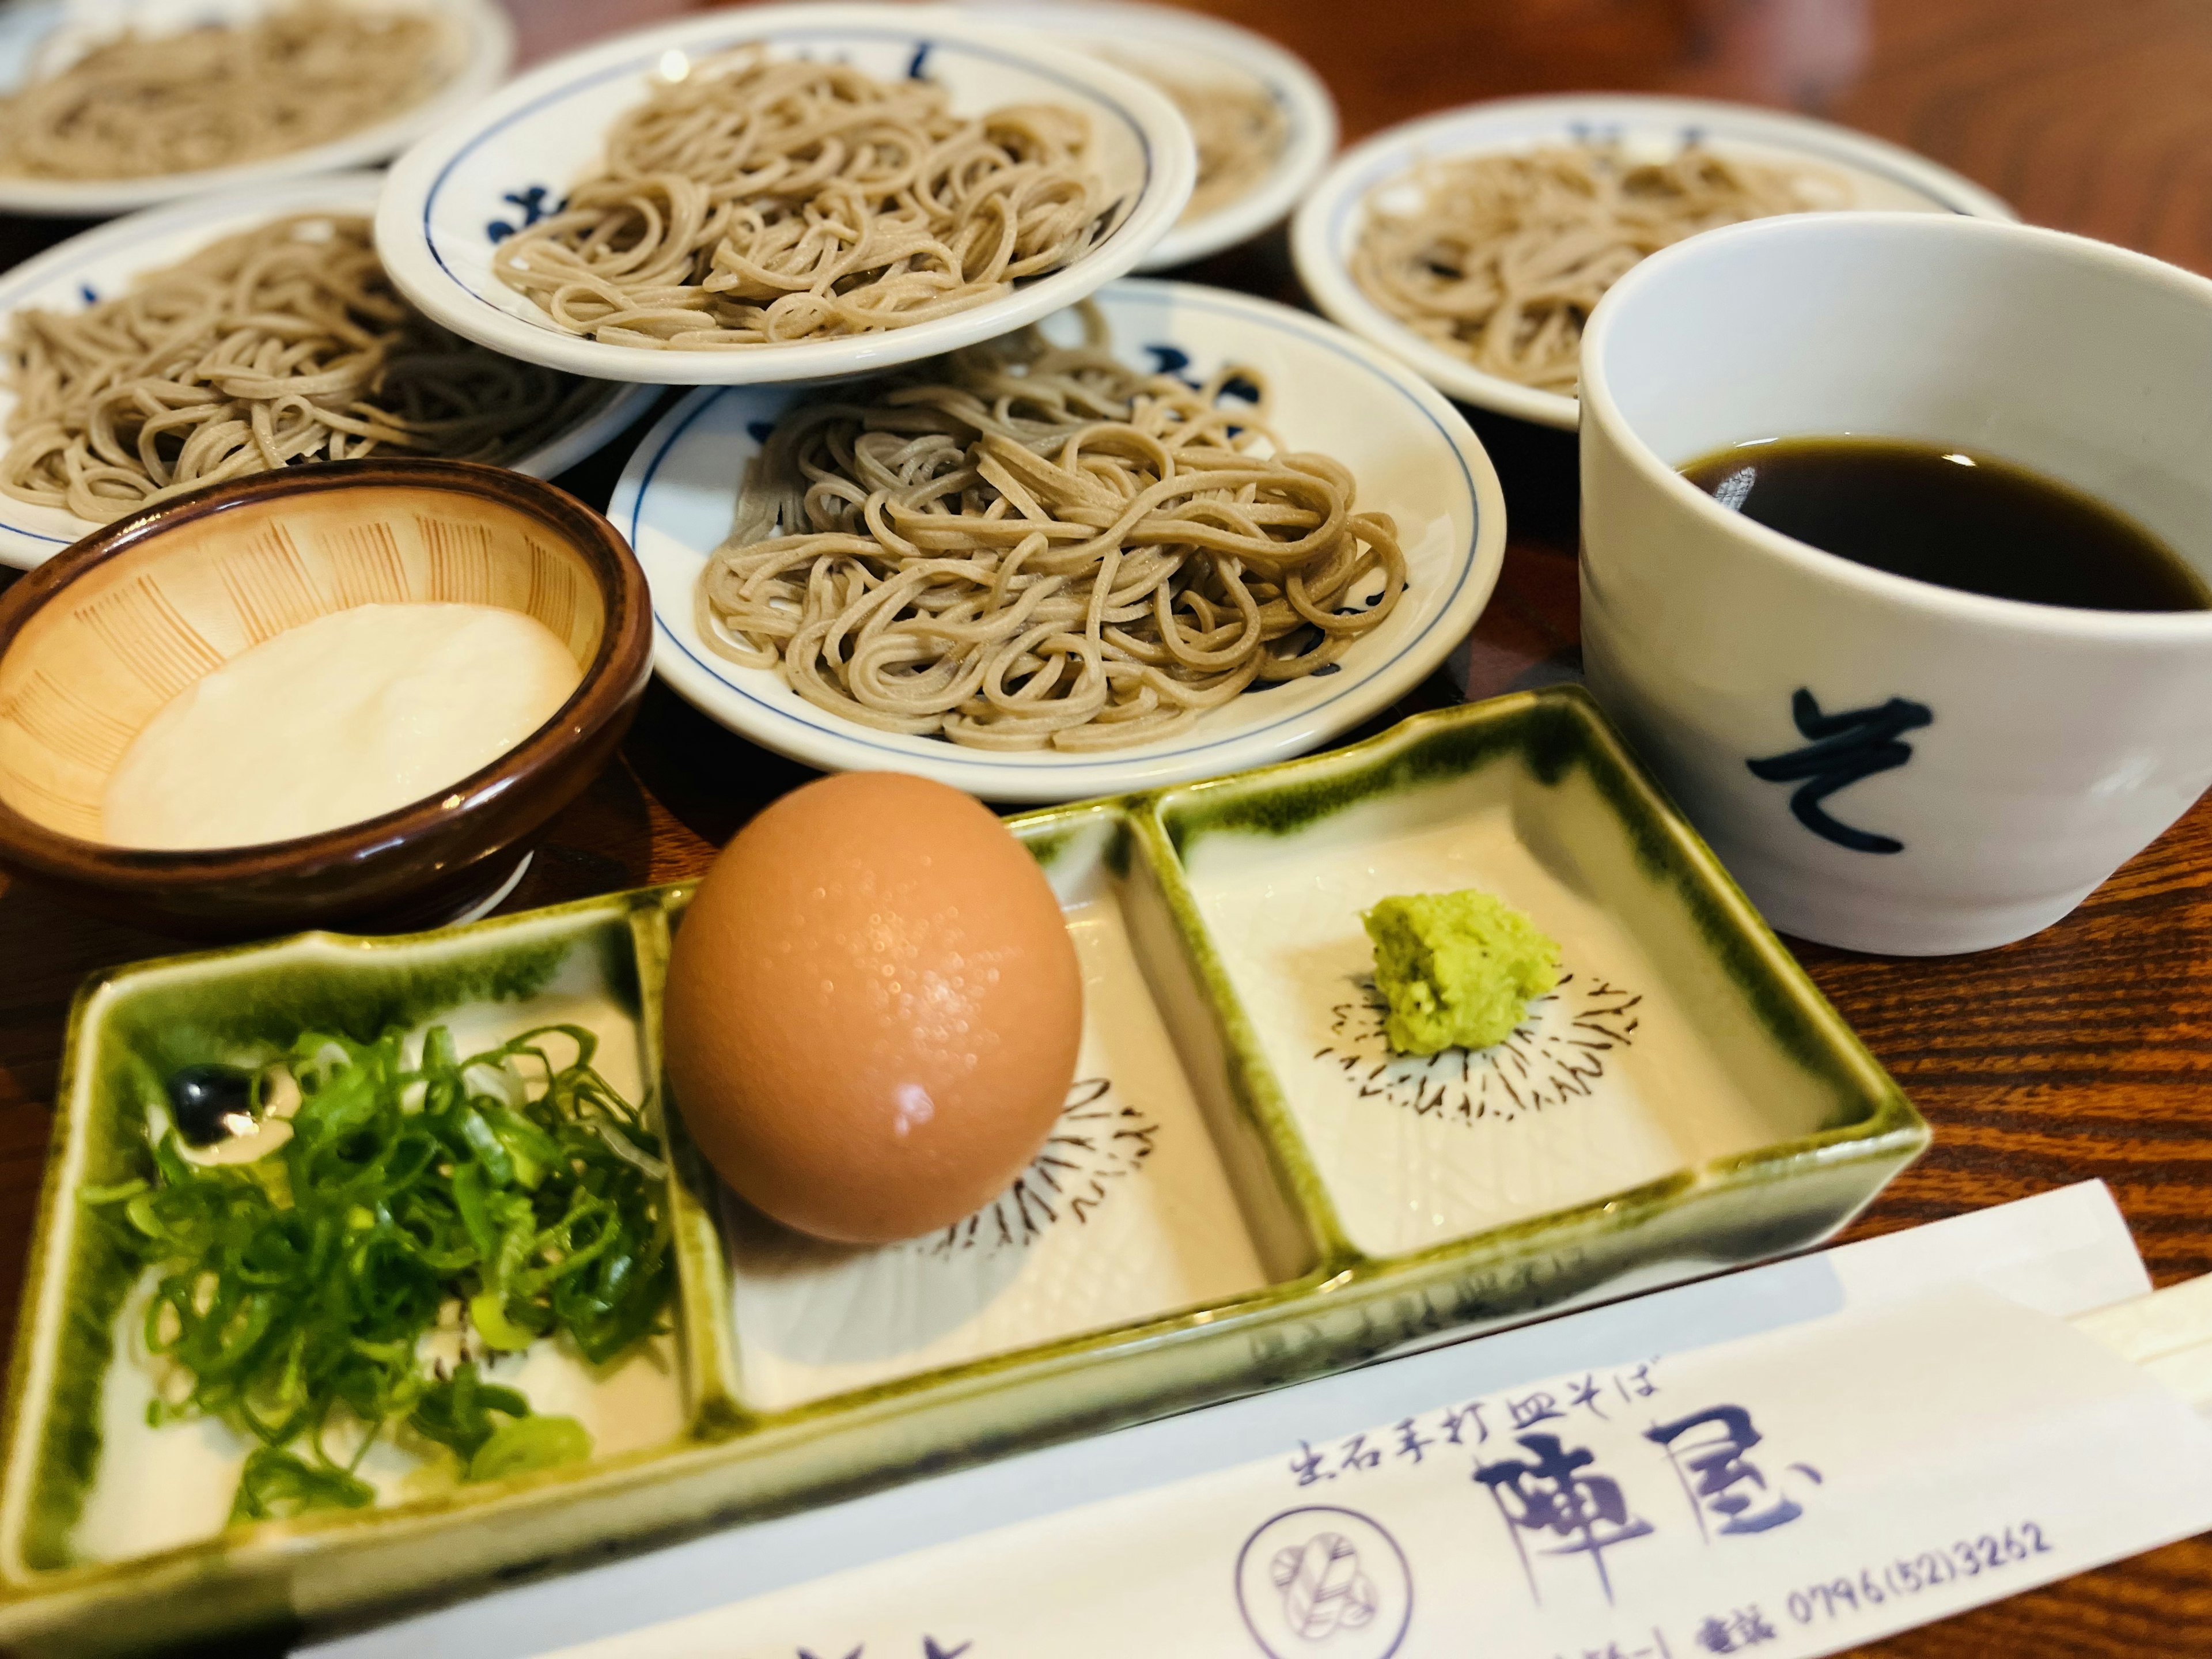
(1245, 1188)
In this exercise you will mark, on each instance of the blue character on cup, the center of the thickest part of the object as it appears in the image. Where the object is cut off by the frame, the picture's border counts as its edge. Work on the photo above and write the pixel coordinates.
(1845, 748)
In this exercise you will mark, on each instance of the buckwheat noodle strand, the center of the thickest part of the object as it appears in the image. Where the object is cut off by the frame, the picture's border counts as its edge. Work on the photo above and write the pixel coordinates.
(757, 201)
(279, 345)
(214, 96)
(1239, 129)
(1499, 259)
(1022, 545)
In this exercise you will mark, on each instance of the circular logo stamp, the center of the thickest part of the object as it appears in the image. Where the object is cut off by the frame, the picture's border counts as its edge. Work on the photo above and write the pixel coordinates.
(1324, 1583)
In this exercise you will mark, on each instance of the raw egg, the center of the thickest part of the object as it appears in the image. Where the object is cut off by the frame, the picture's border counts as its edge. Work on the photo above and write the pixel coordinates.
(874, 1009)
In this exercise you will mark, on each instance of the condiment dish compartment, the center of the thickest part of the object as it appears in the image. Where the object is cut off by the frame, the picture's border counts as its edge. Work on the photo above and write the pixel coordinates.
(1156, 1207)
(1208, 1230)
(98, 1509)
(1684, 1067)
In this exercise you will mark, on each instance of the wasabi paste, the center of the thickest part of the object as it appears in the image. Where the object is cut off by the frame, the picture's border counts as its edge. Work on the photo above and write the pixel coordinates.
(1457, 969)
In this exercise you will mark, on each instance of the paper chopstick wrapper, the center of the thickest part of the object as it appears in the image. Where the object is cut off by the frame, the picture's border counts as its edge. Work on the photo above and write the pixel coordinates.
(2167, 1334)
(1792, 1461)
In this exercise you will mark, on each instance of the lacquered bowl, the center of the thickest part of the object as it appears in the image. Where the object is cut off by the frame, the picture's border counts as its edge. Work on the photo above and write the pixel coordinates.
(97, 640)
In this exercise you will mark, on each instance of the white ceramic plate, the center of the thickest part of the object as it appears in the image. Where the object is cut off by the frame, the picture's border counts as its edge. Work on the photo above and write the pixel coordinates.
(100, 263)
(1883, 175)
(480, 49)
(1413, 455)
(465, 186)
(1201, 49)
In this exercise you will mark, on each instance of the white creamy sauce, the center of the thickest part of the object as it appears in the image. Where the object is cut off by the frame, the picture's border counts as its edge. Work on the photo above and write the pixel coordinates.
(339, 720)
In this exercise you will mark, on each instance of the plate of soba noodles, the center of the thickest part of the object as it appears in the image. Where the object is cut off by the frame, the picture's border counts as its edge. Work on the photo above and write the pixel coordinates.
(106, 106)
(784, 192)
(1168, 532)
(1264, 124)
(1473, 245)
(203, 340)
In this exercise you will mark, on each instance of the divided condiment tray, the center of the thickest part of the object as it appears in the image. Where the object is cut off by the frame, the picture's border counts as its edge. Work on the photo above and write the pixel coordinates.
(1246, 1188)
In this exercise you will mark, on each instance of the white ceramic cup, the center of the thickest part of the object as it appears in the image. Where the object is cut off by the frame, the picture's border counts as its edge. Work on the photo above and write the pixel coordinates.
(1940, 771)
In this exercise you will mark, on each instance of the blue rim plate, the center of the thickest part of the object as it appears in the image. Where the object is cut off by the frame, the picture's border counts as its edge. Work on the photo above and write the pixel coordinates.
(1202, 50)
(1412, 454)
(1882, 175)
(463, 188)
(99, 264)
(480, 50)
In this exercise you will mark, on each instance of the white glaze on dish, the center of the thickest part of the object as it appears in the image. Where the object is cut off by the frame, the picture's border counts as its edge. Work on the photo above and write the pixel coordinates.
(1608, 1085)
(1198, 49)
(1413, 456)
(100, 263)
(1126, 1214)
(479, 46)
(182, 1475)
(452, 196)
(160, 1487)
(1881, 175)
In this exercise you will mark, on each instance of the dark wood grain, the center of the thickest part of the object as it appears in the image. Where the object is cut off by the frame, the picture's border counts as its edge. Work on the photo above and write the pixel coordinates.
(2084, 1052)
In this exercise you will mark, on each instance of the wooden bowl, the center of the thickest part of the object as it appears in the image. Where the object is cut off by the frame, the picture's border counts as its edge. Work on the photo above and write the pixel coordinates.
(95, 641)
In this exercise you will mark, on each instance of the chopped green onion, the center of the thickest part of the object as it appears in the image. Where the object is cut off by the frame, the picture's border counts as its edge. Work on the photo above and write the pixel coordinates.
(487, 1312)
(115, 1195)
(277, 1485)
(295, 1291)
(457, 1412)
(528, 1445)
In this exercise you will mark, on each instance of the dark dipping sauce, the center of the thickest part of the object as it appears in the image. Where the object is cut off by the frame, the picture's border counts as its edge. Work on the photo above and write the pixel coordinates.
(1954, 518)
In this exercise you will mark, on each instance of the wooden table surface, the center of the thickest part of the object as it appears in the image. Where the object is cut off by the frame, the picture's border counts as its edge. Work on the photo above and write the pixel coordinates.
(2086, 1052)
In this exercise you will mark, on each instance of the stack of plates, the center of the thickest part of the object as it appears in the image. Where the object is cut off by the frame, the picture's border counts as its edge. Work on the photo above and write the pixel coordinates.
(484, 159)
(448, 197)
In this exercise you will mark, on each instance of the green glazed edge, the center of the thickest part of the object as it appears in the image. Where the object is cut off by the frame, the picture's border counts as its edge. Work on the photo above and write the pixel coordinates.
(707, 1341)
(44, 1502)
(1048, 832)
(1553, 731)
(1252, 1080)
(1562, 729)
(45, 1260)
(1141, 842)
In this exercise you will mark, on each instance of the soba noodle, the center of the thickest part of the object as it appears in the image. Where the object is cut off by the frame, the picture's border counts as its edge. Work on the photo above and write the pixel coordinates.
(754, 202)
(218, 95)
(279, 345)
(1500, 259)
(1238, 127)
(1023, 544)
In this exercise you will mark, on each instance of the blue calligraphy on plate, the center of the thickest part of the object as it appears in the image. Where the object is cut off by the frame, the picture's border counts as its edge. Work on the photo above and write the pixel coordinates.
(1175, 362)
(533, 205)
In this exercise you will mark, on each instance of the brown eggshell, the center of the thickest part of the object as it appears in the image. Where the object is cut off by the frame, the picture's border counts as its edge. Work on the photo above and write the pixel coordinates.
(874, 1009)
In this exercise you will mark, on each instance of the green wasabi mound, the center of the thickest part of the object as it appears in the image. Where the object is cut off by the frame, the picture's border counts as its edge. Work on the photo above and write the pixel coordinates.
(1457, 969)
